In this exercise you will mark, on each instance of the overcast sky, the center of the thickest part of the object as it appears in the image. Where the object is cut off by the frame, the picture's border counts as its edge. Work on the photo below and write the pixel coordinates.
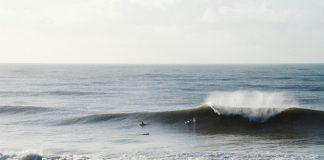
(162, 31)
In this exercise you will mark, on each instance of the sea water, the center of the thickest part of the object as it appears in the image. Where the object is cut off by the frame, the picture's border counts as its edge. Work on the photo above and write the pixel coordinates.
(93, 111)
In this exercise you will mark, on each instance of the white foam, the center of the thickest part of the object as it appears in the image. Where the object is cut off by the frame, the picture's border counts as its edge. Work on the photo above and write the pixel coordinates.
(250, 104)
(211, 155)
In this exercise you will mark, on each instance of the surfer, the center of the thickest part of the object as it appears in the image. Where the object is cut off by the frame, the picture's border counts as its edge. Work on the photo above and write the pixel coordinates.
(146, 134)
(191, 121)
(143, 124)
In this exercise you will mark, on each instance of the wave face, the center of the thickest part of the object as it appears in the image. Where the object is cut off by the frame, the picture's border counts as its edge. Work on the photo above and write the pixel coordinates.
(289, 120)
(228, 112)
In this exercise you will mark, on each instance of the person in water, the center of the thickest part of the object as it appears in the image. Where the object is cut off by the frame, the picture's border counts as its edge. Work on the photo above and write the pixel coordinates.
(191, 121)
(143, 124)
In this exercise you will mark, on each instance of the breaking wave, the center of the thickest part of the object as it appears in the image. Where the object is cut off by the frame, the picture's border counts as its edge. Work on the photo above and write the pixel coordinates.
(209, 121)
(238, 111)
(250, 104)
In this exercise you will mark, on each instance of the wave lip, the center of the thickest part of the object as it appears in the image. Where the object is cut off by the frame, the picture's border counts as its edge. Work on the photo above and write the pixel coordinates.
(255, 105)
(253, 114)
(251, 99)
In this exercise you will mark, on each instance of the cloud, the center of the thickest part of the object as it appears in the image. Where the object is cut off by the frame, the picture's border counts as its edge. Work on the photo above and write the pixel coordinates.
(161, 31)
(244, 14)
(155, 4)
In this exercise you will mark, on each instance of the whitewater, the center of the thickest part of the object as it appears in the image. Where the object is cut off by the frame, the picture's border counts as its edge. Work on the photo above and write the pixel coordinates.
(94, 111)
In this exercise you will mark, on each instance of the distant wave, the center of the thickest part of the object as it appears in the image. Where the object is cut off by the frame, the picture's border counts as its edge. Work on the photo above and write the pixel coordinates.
(23, 109)
(73, 93)
(19, 93)
(52, 93)
(96, 118)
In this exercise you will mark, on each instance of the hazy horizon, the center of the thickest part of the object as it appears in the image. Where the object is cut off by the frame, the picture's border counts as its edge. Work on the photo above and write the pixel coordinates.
(162, 32)
(44, 63)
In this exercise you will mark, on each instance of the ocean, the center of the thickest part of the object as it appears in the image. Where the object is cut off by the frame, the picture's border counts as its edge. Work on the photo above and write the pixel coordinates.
(51, 111)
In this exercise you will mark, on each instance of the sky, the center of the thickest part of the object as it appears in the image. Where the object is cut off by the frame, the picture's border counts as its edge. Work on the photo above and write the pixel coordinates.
(162, 31)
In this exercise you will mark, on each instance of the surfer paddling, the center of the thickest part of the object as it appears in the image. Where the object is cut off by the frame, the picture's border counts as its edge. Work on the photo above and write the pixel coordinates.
(143, 124)
(145, 134)
(191, 121)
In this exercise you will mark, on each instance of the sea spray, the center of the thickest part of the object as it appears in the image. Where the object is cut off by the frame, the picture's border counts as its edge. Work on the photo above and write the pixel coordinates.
(255, 105)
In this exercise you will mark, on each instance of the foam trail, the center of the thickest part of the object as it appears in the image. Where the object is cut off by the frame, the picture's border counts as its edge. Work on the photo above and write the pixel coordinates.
(250, 104)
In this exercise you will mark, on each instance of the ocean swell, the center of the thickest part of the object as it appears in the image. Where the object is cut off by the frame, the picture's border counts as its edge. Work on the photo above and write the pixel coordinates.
(208, 121)
(223, 112)
(23, 109)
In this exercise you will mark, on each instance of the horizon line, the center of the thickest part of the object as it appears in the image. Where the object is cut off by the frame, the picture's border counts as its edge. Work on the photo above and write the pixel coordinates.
(42, 63)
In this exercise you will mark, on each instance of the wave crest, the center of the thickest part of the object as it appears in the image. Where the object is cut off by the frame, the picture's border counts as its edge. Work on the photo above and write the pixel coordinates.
(255, 114)
(250, 104)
